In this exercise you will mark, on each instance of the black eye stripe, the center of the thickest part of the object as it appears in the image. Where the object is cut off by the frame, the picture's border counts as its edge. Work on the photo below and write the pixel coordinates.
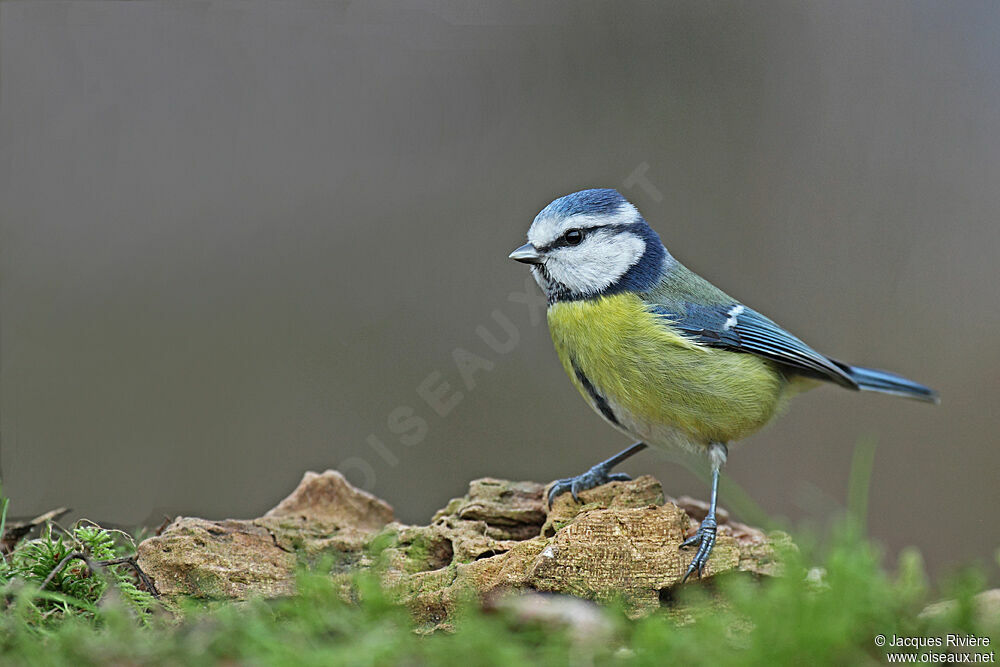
(561, 242)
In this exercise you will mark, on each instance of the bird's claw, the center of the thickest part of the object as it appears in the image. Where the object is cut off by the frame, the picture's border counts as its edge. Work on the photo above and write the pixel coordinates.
(705, 539)
(596, 476)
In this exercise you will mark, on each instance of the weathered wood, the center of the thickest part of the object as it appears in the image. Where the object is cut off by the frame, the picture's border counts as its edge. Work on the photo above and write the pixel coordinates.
(620, 543)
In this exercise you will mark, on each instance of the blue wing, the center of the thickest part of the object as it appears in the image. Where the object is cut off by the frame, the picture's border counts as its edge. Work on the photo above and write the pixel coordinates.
(735, 327)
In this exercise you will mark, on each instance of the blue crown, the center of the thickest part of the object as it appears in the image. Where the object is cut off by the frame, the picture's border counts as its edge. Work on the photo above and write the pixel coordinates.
(597, 201)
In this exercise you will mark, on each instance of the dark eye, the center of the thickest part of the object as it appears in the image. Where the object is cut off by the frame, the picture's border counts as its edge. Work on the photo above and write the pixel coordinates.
(573, 236)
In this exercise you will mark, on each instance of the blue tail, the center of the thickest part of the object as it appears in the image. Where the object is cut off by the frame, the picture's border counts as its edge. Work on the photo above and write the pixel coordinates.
(872, 379)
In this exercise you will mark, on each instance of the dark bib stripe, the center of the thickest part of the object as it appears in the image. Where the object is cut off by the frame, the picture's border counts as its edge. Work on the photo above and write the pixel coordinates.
(599, 401)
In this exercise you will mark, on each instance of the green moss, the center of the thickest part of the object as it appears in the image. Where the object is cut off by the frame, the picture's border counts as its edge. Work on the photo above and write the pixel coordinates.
(826, 609)
(798, 619)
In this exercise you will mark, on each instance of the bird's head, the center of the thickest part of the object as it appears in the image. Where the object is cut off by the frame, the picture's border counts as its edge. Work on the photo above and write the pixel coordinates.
(592, 243)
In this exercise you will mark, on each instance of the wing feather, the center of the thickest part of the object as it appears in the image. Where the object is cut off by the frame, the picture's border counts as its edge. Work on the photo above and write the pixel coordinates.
(741, 329)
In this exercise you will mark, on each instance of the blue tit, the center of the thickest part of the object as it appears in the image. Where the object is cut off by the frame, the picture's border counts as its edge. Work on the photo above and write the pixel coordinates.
(660, 353)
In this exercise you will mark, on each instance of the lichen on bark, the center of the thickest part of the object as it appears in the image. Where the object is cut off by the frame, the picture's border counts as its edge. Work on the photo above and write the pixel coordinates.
(620, 543)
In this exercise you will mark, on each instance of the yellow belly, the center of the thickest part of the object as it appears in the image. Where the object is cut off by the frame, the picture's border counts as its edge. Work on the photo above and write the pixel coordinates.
(655, 379)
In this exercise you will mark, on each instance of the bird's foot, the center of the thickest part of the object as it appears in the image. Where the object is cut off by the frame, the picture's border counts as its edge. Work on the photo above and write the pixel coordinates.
(596, 476)
(705, 539)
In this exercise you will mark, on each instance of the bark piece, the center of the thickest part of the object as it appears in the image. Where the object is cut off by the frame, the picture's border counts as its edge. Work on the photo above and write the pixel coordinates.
(217, 559)
(330, 499)
(620, 543)
(241, 558)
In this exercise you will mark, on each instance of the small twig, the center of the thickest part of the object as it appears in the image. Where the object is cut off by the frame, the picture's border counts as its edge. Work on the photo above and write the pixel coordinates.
(14, 531)
(166, 522)
(52, 523)
(67, 558)
(118, 561)
(49, 516)
(134, 564)
(98, 566)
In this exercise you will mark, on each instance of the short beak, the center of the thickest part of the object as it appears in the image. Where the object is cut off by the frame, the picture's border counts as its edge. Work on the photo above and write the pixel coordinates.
(527, 254)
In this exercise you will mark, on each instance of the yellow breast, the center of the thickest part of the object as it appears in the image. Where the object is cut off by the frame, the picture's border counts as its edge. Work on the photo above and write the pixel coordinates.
(655, 377)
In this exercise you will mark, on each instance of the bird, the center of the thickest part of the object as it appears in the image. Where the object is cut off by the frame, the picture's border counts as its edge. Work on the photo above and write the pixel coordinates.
(660, 353)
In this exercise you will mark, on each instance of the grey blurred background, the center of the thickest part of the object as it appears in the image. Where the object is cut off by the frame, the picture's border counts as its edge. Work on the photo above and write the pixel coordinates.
(241, 239)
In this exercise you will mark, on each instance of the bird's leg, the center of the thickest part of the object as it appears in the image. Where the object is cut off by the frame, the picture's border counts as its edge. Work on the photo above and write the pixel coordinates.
(705, 537)
(599, 474)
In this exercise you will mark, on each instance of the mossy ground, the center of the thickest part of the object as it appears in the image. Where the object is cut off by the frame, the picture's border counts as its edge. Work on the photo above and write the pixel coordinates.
(835, 597)
(828, 609)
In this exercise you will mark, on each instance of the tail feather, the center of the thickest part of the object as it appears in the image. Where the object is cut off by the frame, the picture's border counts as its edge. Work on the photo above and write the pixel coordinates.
(872, 379)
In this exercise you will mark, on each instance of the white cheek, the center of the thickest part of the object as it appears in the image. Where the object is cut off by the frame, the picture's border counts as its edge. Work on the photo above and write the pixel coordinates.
(597, 263)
